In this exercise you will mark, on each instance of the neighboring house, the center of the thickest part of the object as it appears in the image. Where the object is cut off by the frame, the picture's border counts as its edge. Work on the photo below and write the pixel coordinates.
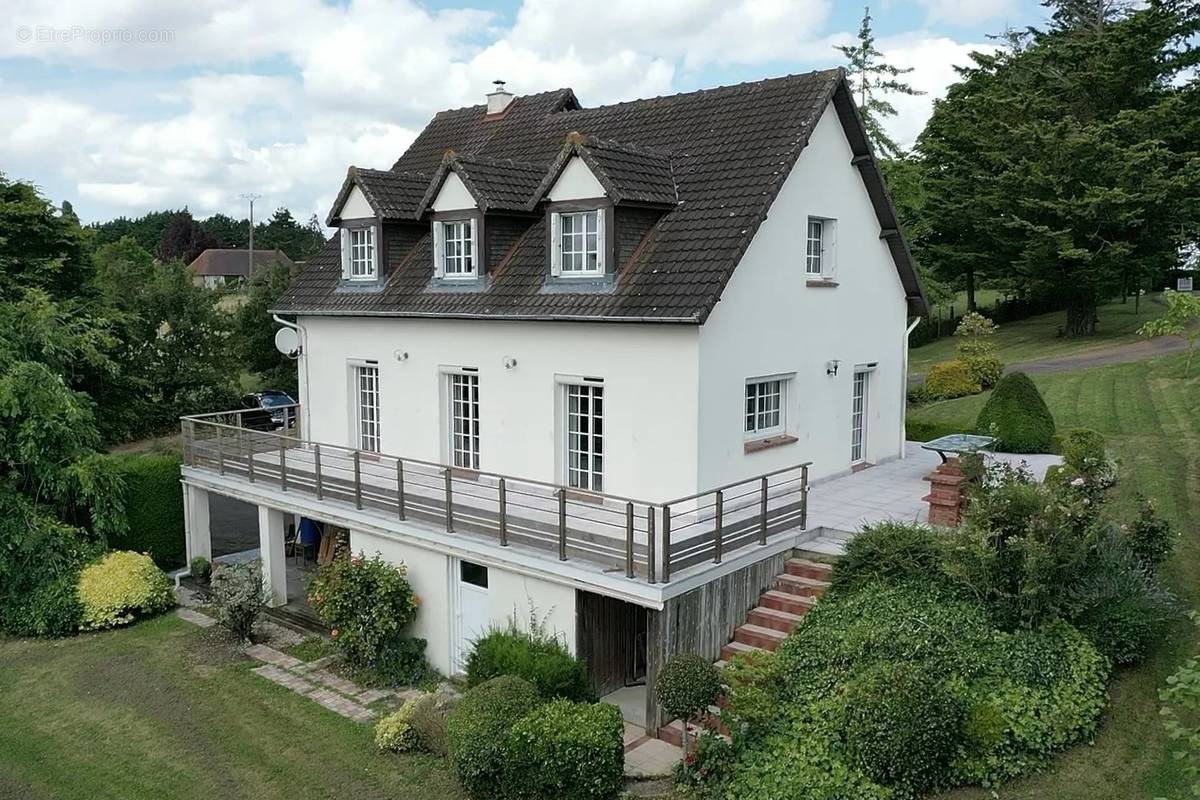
(587, 362)
(219, 266)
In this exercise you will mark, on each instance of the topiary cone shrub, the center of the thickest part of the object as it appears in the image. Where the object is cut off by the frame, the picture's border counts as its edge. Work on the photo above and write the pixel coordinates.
(1017, 416)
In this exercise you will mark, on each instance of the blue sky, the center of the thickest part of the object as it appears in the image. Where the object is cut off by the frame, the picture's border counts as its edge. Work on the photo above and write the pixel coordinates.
(149, 104)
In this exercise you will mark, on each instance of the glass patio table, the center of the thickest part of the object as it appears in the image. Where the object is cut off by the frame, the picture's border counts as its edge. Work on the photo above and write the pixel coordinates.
(957, 443)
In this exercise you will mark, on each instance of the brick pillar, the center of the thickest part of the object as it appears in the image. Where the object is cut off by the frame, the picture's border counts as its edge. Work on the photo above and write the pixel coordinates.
(947, 487)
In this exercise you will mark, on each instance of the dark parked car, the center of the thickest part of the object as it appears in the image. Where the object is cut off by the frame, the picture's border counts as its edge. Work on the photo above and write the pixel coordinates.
(274, 407)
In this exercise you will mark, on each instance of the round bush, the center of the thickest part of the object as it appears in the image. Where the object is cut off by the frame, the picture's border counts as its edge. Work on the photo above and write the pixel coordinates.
(687, 685)
(395, 733)
(889, 552)
(949, 379)
(120, 587)
(901, 727)
(566, 751)
(1017, 416)
(367, 604)
(239, 595)
(984, 370)
(477, 732)
(541, 659)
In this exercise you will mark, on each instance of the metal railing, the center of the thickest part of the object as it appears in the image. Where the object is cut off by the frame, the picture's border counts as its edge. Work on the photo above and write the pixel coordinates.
(646, 540)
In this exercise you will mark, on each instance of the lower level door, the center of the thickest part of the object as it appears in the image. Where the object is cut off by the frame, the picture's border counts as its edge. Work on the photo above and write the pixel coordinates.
(474, 615)
(858, 418)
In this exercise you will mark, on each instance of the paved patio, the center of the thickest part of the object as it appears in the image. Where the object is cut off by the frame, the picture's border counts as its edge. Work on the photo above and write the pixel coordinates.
(840, 507)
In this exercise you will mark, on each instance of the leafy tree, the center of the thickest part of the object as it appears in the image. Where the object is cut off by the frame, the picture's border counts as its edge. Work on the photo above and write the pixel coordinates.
(185, 239)
(38, 248)
(1182, 319)
(255, 330)
(230, 232)
(147, 229)
(283, 232)
(873, 79)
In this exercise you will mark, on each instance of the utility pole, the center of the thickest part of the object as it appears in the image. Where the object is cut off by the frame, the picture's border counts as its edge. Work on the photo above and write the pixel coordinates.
(251, 198)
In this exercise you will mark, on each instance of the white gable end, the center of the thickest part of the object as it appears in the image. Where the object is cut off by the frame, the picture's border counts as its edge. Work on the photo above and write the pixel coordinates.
(576, 182)
(356, 206)
(453, 195)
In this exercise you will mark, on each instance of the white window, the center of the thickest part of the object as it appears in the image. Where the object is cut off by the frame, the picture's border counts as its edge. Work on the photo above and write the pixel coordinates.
(578, 243)
(366, 385)
(456, 248)
(819, 254)
(585, 436)
(359, 254)
(464, 420)
(765, 407)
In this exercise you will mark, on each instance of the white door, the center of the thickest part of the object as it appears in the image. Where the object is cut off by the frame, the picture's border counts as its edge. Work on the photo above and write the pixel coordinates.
(858, 418)
(473, 616)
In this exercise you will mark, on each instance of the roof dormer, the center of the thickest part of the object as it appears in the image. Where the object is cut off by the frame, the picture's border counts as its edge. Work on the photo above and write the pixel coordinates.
(453, 195)
(575, 182)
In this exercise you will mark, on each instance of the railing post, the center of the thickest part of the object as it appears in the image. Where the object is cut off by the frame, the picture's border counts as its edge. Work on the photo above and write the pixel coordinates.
(250, 461)
(762, 513)
(282, 465)
(651, 567)
(449, 501)
(400, 488)
(357, 480)
(189, 434)
(628, 540)
(804, 497)
(503, 513)
(666, 570)
(562, 524)
(317, 466)
(718, 541)
(220, 453)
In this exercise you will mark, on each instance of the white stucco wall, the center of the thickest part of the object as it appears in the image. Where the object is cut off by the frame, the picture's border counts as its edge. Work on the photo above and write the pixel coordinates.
(356, 206)
(576, 182)
(453, 196)
(650, 402)
(770, 322)
(510, 596)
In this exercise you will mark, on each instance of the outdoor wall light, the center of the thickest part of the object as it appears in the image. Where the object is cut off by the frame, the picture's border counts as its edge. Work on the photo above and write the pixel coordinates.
(831, 367)
(509, 362)
(401, 355)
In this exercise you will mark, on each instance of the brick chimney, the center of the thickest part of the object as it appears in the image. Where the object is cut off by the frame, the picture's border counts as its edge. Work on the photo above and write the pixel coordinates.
(498, 99)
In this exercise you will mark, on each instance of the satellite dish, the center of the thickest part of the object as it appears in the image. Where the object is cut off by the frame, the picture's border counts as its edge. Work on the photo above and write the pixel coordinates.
(287, 342)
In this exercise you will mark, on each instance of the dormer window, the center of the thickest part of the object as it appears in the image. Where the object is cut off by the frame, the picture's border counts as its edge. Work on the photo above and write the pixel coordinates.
(455, 250)
(360, 256)
(578, 243)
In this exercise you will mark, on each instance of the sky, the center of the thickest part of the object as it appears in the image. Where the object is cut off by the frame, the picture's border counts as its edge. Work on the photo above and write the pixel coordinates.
(128, 106)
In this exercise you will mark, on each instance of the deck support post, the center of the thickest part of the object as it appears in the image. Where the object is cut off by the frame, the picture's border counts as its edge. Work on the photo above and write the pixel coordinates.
(271, 551)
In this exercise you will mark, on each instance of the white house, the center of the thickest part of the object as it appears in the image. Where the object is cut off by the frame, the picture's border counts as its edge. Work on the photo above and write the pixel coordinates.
(589, 361)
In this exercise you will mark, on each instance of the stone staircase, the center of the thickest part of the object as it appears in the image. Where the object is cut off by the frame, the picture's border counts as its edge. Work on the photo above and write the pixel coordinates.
(780, 609)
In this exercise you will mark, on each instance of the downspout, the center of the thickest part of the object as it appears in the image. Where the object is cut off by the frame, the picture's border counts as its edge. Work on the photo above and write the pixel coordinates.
(904, 386)
(300, 329)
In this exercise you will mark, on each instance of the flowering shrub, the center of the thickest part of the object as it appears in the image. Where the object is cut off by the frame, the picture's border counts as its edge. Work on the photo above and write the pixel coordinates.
(240, 596)
(707, 765)
(394, 733)
(368, 604)
(120, 587)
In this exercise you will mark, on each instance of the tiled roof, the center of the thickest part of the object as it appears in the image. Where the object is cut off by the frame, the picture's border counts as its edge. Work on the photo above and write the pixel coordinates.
(627, 173)
(234, 262)
(496, 184)
(394, 194)
(726, 152)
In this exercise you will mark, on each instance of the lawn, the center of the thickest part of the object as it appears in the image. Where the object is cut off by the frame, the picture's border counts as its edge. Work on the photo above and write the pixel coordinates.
(163, 710)
(1150, 416)
(1037, 337)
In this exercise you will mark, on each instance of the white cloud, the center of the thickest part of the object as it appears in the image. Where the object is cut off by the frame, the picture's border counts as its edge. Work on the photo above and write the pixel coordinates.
(968, 12)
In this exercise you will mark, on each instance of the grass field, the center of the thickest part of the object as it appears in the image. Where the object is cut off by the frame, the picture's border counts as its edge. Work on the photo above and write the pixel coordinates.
(163, 710)
(1036, 338)
(1150, 416)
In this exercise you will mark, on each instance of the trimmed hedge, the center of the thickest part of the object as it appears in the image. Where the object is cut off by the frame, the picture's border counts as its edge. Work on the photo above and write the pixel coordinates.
(537, 657)
(121, 587)
(153, 507)
(477, 732)
(919, 431)
(1017, 416)
(949, 379)
(889, 552)
(566, 751)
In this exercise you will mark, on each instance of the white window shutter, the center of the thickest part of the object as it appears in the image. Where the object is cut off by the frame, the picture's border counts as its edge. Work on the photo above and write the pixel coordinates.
(375, 255)
(830, 237)
(345, 239)
(476, 261)
(438, 246)
(555, 245)
(601, 246)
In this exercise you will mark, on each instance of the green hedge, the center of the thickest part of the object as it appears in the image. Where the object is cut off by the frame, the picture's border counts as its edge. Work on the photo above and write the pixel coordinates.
(153, 506)
(918, 431)
(477, 731)
(1017, 416)
(535, 656)
(566, 751)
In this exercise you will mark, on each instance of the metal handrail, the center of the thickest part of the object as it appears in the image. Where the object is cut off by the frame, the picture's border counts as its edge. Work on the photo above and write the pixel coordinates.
(732, 484)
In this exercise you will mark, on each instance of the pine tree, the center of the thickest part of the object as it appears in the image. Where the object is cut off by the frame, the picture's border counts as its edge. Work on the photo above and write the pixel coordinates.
(873, 79)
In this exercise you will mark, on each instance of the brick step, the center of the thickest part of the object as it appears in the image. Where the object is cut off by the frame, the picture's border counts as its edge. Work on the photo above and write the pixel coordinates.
(804, 568)
(787, 601)
(672, 732)
(758, 636)
(766, 617)
(735, 647)
(798, 584)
